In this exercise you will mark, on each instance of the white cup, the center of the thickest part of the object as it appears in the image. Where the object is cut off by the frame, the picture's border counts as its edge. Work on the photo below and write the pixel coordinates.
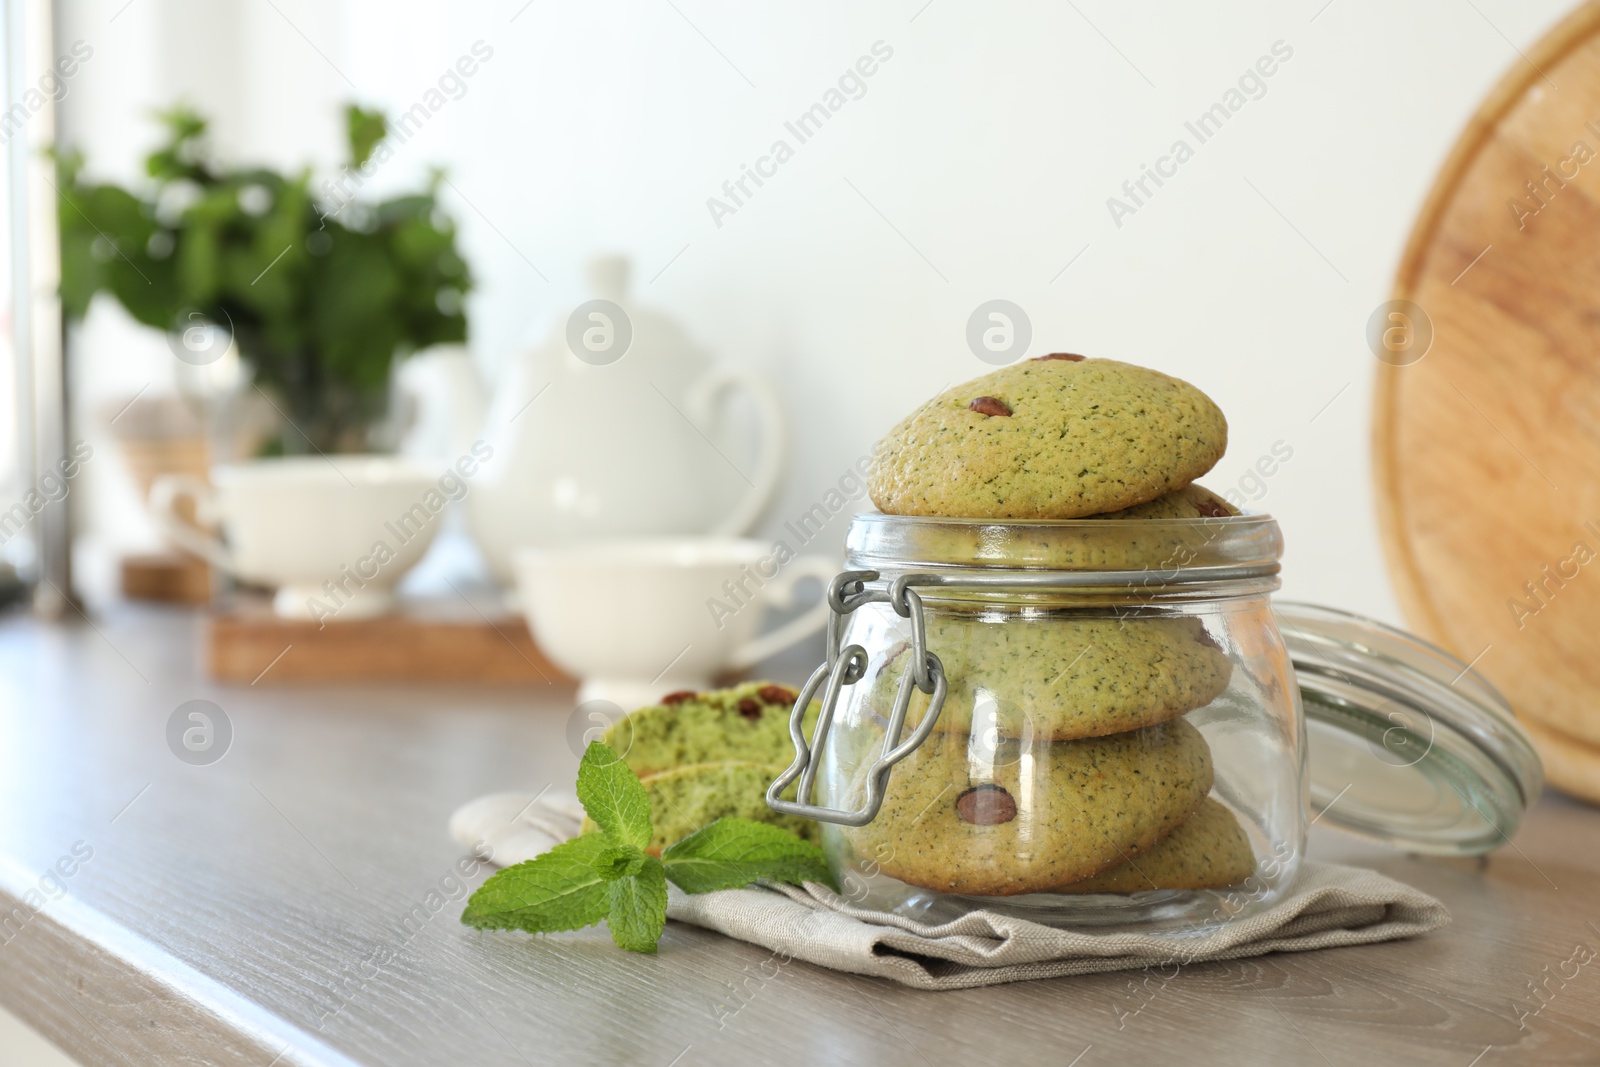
(333, 534)
(636, 619)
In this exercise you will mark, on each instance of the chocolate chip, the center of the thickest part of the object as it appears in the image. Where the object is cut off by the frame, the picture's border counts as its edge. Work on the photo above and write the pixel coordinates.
(750, 709)
(679, 697)
(1213, 509)
(986, 805)
(1070, 357)
(988, 405)
(778, 694)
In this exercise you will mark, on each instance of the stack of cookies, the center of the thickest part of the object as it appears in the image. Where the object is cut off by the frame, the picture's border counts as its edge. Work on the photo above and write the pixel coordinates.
(1062, 760)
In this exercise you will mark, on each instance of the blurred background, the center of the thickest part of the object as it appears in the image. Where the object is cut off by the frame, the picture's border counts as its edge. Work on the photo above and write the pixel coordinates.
(516, 159)
(975, 164)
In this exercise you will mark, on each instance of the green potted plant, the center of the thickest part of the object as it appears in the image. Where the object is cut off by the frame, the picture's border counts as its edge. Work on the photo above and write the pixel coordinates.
(321, 296)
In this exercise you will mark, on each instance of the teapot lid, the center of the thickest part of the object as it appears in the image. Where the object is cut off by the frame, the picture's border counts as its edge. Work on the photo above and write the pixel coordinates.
(1405, 743)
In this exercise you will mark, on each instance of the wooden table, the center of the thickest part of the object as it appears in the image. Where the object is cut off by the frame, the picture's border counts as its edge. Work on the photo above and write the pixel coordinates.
(249, 912)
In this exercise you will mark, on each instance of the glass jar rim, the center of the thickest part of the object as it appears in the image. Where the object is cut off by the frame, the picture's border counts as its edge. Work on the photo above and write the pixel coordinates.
(1182, 549)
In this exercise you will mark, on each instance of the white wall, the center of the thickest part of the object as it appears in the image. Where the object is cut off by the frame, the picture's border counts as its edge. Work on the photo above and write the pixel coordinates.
(976, 166)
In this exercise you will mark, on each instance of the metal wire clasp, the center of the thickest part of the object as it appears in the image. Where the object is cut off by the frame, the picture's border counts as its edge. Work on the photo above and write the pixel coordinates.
(846, 666)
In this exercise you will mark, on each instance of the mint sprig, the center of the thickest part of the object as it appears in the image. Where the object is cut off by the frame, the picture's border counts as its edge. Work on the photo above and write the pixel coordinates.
(608, 875)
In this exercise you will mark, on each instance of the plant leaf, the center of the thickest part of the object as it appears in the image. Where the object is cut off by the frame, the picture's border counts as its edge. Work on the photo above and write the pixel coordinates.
(363, 129)
(612, 796)
(734, 852)
(621, 862)
(559, 890)
(639, 907)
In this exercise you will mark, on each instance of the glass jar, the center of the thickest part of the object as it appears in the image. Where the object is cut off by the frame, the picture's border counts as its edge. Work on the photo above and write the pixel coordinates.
(1099, 721)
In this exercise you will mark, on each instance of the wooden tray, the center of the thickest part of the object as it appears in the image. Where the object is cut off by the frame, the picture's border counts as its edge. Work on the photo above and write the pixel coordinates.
(1487, 449)
(444, 642)
(170, 577)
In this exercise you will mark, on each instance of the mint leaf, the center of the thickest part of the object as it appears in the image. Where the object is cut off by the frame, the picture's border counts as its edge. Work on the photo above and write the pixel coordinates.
(559, 890)
(612, 796)
(639, 907)
(734, 852)
(621, 862)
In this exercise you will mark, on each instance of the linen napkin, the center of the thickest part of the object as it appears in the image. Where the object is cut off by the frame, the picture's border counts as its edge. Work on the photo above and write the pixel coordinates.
(1329, 906)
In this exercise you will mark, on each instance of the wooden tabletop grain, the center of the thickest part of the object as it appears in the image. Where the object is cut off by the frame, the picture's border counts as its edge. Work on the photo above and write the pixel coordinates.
(254, 911)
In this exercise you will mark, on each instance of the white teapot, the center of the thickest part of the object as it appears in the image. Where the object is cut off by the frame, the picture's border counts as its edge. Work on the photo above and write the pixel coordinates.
(612, 429)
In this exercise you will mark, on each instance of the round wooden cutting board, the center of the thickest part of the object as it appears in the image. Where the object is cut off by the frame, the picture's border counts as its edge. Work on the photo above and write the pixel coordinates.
(1487, 443)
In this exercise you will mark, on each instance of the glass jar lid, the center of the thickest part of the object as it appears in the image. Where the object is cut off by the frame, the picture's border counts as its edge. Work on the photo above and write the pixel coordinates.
(1406, 744)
